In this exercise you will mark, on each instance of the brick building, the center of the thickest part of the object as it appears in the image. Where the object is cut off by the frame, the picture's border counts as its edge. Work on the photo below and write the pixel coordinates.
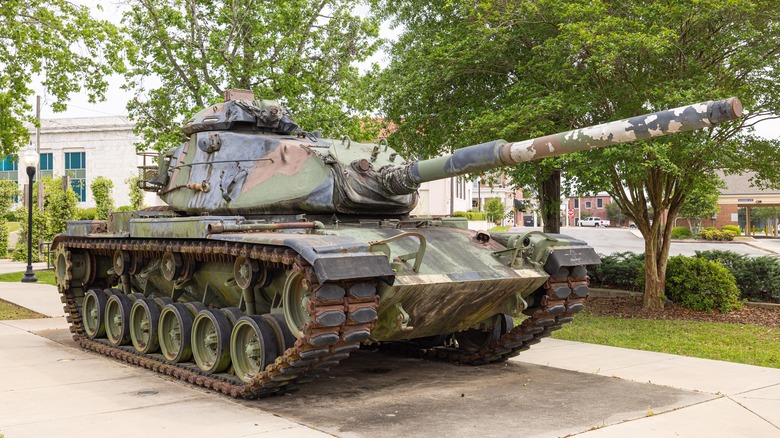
(740, 203)
(588, 206)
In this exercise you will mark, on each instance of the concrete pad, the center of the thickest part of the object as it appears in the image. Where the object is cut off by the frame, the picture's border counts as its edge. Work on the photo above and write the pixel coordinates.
(374, 394)
(38, 324)
(90, 394)
(764, 402)
(693, 374)
(41, 298)
(718, 418)
(8, 266)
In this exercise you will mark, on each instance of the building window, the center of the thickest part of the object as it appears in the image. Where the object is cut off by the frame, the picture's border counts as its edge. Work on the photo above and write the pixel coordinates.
(599, 203)
(9, 170)
(576, 203)
(588, 204)
(47, 165)
(75, 169)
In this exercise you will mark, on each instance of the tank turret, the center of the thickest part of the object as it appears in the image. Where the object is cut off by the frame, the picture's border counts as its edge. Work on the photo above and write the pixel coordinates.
(249, 157)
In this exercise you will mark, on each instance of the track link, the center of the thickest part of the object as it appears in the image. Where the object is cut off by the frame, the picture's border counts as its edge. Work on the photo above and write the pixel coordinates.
(320, 347)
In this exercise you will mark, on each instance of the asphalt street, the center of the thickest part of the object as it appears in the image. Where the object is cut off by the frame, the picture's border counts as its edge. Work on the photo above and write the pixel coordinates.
(611, 240)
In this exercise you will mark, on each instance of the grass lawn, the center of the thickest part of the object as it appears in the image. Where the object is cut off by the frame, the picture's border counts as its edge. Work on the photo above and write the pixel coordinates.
(499, 229)
(44, 277)
(13, 226)
(12, 311)
(741, 343)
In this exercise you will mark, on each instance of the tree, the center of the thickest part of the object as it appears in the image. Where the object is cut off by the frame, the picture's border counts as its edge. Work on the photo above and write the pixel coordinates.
(136, 194)
(8, 190)
(702, 202)
(58, 42)
(101, 193)
(300, 52)
(494, 210)
(461, 72)
(614, 213)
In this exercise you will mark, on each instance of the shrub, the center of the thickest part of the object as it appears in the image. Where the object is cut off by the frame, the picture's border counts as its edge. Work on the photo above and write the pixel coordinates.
(470, 215)
(681, 233)
(126, 208)
(758, 278)
(621, 270)
(39, 230)
(701, 284)
(734, 228)
(101, 193)
(86, 214)
(713, 234)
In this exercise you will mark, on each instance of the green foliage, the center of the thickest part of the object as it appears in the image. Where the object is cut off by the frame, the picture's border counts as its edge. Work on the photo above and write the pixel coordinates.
(702, 201)
(734, 228)
(615, 214)
(8, 189)
(101, 193)
(300, 52)
(3, 237)
(44, 277)
(86, 214)
(494, 210)
(758, 278)
(740, 343)
(125, 208)
(38, 235)
(701, 284)
(681, 233)
(59, 42)
(713, 234)
(471, 215)
(622, 270)
(59, 206)
(465, 72)
(136, 194)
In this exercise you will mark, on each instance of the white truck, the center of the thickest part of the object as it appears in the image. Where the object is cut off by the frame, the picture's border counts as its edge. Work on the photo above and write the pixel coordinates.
(594, 222)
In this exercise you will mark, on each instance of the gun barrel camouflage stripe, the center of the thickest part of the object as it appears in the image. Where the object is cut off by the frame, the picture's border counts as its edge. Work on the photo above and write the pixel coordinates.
(499, 153)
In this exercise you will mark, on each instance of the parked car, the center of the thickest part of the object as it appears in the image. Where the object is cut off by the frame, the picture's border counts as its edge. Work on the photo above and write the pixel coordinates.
(594, 222)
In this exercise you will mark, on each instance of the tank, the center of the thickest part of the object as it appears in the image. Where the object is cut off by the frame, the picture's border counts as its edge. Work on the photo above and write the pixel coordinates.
(279, 252)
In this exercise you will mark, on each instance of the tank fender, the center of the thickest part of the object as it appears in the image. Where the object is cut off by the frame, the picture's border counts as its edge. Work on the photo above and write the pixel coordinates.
(332, 257)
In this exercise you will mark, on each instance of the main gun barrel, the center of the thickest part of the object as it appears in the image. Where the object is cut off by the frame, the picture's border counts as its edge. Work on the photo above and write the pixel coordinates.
(498, 153)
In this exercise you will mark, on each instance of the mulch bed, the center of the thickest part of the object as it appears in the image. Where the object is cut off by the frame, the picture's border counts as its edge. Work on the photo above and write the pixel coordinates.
(631, 307)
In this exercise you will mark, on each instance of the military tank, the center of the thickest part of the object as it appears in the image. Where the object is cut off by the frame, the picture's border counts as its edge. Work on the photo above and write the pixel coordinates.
(280, 252)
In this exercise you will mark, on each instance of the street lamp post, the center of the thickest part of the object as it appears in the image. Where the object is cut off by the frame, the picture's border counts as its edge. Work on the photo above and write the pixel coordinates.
(30, 159)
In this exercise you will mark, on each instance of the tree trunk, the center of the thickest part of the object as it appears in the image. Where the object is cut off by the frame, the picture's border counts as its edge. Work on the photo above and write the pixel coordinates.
(655, 281)
(550, 202)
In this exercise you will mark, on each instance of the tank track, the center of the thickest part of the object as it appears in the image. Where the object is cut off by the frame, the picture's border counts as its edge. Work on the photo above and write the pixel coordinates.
(554, 311)
(320, 348)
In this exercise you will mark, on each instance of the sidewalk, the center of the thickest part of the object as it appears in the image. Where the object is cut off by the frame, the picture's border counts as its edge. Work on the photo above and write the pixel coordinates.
(51, 387)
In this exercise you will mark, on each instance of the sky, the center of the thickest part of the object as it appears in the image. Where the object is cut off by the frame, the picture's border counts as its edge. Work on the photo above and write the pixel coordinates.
(116, 98)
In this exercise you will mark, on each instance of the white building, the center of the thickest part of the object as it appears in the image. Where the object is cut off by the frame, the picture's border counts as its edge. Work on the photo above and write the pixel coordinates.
(443, 197)
(83, 149)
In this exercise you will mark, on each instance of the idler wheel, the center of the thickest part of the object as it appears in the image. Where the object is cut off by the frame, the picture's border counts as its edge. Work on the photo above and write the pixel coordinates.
(175, 332)
(144, 323)
(295, 299)
(93, 313)
(118, 319)
(211, 341)
(473, 340)
(253, 346)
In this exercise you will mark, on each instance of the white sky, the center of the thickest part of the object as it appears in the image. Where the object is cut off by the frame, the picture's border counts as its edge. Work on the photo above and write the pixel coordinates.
(116, 98)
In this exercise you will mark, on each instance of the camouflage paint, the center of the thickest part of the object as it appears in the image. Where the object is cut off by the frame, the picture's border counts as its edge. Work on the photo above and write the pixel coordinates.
(500, 153)
(271, 172)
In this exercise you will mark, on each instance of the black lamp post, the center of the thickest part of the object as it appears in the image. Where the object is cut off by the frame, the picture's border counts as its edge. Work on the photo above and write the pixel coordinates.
(31, 162)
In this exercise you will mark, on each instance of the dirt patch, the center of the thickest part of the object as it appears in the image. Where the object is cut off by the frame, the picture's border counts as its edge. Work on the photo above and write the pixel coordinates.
(631, 307)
